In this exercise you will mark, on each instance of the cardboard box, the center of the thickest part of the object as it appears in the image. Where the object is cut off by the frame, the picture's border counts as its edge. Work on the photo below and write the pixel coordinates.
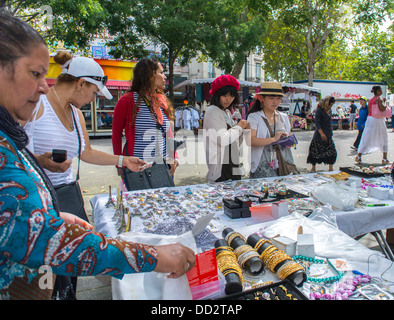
(286, 244)
(378, 192)
(280, 209)
(305, 245)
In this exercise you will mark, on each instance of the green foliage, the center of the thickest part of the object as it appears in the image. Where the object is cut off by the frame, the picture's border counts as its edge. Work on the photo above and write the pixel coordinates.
(73, 22)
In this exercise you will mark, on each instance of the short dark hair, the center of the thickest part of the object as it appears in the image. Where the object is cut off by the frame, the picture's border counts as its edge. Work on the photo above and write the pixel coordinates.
(215, 100)
(375, 89)
(17, 39)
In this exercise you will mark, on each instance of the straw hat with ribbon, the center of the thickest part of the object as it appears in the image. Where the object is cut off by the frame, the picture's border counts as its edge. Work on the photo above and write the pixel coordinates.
(271, 89)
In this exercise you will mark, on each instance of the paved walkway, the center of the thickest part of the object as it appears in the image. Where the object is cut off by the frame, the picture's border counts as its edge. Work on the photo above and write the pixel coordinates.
(97, 179)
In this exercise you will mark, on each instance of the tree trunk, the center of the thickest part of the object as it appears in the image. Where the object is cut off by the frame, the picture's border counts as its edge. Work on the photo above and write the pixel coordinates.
(171, 74)
(237, 70)
(311, 72)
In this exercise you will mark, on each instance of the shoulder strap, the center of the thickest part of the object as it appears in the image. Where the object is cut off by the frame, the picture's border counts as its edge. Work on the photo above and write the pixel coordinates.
(79, 141)
(268, 126)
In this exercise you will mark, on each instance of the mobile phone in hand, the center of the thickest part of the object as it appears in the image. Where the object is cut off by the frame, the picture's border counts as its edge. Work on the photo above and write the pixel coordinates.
(59, 155)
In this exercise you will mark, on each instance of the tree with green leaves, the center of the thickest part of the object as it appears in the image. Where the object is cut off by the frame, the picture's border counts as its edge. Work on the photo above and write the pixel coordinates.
(74, 22)
(222, 31)
(233, 33)
(310, 27)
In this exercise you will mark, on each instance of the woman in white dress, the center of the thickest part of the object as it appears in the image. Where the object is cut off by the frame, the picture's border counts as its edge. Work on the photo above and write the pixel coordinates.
(375, 137)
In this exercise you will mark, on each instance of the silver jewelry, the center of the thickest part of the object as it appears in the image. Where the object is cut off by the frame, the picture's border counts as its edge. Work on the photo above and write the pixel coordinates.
(71, 122)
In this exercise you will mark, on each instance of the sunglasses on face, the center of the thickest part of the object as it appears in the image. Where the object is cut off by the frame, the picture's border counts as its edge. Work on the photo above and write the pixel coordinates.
(103, 79)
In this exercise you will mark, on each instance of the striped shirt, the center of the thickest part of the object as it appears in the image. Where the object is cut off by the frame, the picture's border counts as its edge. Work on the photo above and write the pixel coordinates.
(148, 137)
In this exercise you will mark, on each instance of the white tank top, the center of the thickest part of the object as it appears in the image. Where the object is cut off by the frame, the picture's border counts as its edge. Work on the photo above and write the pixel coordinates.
(47, 133)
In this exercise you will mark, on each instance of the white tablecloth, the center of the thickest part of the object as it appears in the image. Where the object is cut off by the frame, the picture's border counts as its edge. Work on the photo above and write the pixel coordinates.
(331, 241)
(356, 222)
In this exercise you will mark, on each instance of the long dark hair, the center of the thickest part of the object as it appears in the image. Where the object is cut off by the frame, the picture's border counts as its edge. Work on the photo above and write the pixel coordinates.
(256, 106)
(215, 100)
(17, 39)
(144, 81)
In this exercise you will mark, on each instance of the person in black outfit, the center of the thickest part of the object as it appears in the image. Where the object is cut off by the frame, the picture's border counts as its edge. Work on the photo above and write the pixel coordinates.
(322, 148)
(304, 109)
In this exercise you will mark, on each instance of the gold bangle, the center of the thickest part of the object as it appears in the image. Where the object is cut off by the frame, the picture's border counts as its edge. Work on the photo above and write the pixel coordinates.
(260, 243)
(267, 252)
(288, 269)
(232, 235)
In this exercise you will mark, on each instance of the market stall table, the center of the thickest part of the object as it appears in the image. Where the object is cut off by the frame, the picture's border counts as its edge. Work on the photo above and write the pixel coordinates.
(167, 211)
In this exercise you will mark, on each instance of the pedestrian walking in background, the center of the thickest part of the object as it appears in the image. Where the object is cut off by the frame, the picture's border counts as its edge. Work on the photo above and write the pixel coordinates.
(322, 147)
(352, 115)
(362, 118)
(375, 137)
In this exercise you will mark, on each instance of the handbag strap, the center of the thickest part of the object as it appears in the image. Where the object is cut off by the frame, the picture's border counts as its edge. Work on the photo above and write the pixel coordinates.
(269, 127)
(154, 115)
(157, 123)
(79, 142)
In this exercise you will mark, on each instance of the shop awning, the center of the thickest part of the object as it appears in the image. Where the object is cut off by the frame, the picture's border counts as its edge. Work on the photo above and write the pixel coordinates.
(118, 84)
(190, 82)
(300, 88)
(111, 84)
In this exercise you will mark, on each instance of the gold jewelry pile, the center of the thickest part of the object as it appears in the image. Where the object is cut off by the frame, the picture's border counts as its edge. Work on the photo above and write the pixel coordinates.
(227, 261)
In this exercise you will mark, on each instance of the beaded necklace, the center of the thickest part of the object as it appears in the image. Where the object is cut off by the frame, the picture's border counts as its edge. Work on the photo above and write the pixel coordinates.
(319, 261)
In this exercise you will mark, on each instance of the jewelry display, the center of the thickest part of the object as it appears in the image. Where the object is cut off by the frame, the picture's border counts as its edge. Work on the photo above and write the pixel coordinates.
(342, 291)
(283, 290)
(307, 262)
(247, 257)
(228, 265)
(277, 261)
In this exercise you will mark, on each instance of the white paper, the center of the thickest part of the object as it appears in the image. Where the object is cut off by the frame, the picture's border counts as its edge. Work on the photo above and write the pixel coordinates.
(153, 285)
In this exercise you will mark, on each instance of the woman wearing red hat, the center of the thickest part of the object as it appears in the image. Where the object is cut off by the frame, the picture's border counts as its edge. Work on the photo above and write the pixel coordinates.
(222, 138)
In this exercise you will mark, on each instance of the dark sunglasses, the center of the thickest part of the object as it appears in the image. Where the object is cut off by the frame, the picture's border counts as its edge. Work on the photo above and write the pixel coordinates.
(103, 80)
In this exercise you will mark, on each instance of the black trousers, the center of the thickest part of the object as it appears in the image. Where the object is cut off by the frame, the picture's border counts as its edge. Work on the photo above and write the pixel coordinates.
(358, 139)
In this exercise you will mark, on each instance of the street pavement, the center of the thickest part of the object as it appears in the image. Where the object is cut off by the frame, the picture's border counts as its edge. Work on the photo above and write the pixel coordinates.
(97, 179)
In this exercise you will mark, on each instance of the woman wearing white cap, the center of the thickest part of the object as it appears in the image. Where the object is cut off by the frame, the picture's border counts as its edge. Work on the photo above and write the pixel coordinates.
(59, 124)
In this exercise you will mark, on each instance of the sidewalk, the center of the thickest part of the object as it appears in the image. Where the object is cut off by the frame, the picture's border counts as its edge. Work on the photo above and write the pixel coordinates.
(97, 179)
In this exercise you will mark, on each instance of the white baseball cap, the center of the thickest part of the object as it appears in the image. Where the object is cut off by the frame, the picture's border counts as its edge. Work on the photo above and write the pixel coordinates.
(90, 70)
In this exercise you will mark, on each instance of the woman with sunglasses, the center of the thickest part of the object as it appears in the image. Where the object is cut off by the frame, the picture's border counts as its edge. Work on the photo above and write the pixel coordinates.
(59, 124)
(33, 231)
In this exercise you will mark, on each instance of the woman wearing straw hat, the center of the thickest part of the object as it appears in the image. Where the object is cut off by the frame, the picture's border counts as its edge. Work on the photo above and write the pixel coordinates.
(322, 148)
(267, 127)
(222, 137)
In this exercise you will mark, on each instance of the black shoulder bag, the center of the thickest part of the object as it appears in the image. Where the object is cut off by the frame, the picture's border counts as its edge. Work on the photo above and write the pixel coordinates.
(69, 195)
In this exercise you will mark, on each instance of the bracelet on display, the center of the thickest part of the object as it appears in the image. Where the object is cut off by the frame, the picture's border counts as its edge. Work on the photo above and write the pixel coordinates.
(247, 257)
(318, 261)
(277, 261)
(228, 265)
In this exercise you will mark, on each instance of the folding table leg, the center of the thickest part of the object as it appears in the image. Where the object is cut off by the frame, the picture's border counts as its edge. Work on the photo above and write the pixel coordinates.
(383, 244)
